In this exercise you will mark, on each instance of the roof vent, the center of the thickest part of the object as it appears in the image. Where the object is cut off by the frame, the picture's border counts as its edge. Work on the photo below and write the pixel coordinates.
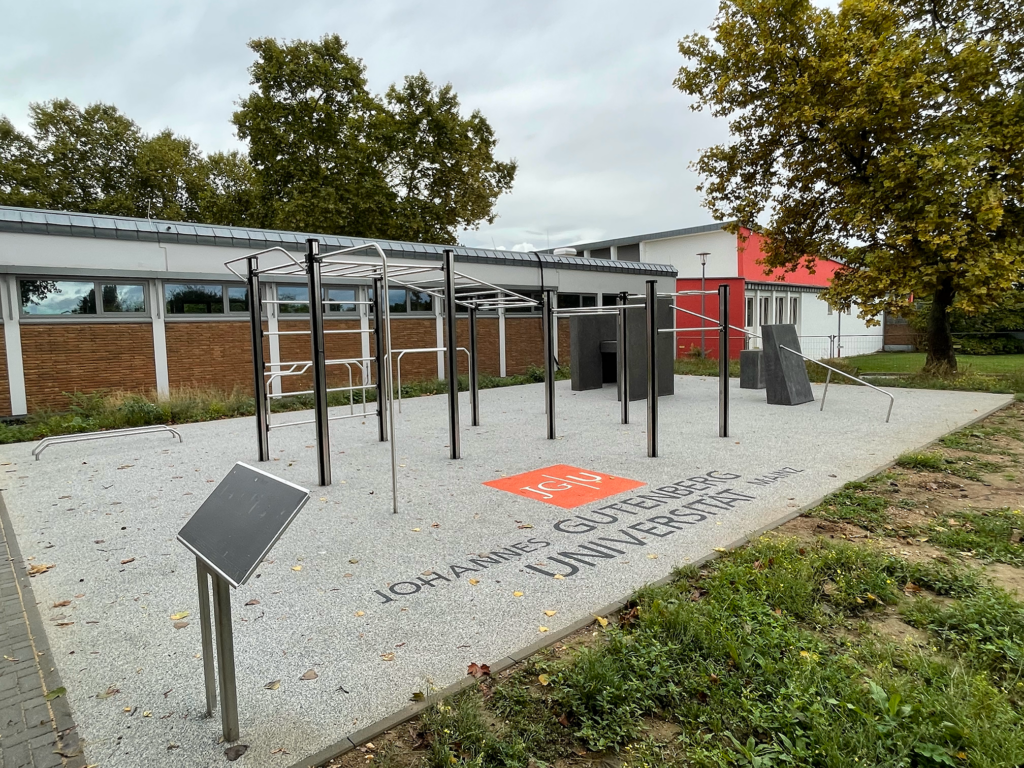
(564, 252)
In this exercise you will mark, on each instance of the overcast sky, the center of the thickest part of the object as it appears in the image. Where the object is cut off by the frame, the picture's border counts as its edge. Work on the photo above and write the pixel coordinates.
(580, 93)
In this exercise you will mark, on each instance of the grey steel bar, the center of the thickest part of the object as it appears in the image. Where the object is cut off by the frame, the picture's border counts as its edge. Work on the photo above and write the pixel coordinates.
(378, 340)
(206, 631)
(256, 328)
(892, 400)
(652, 368)
(225, 658)
(319, 358)
(452, 356)
(46, 442)
(549, 360)
(623, 360)
(723, 360)
(474, 369)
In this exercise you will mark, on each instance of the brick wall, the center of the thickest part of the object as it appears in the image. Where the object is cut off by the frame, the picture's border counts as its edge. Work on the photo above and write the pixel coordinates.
(524, 344)
(66, 357)
(5, 384)
(337, 346)
(213, 354)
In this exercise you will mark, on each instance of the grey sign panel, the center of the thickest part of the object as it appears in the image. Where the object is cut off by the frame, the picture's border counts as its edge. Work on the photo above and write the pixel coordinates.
(241, 520)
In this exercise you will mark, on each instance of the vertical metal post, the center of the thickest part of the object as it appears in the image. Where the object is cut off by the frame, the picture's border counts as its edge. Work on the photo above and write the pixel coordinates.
(378, 342)
(452, 352)
(703, 311)
(225, 658)
(319, 358)
(206, 631)
(474, 369)
(622, 355)
(258, 363)
(723, 360)
(547, 326)
(652, 368)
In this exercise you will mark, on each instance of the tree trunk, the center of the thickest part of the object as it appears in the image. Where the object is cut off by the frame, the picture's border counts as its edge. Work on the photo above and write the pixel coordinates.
(941, 357)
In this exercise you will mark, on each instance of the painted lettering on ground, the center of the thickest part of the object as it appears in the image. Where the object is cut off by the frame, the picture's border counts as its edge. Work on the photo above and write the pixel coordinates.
(679, 505)
(565, 486)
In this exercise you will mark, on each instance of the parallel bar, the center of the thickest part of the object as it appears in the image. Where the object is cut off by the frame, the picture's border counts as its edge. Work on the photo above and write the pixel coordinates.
(452, 358)
(225, 658)
(652, 368)
(723, 360)
(206, 632)
(256, 328)
(319, 357)
(549, 360)
(474, 369)
(623, 360)
(892, 400)
(378, 338)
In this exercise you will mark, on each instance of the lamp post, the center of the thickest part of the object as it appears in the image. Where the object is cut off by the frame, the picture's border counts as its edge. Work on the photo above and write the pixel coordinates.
(703, 263)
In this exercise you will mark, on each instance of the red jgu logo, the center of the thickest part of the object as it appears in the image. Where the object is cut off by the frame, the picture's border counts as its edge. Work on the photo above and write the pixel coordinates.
(564, 486)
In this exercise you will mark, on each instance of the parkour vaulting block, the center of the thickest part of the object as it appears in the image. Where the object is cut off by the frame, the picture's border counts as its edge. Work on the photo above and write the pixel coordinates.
(785, 374)
(752, 369)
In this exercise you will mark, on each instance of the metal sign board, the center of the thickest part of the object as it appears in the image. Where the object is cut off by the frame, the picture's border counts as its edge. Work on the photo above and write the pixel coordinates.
(241, 520)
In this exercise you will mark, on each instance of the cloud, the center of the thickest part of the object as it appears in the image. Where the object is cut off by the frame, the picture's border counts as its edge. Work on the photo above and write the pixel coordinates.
(580, 93)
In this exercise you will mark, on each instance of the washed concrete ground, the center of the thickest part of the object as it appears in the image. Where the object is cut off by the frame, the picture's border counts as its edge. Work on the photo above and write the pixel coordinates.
(382, 606)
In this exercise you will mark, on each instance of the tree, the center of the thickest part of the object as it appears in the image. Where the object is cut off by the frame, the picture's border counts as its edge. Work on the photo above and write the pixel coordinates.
(232, 195)
(331, 157)
(887, 134)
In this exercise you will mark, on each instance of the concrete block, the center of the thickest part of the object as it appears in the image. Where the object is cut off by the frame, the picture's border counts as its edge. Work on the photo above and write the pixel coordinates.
(785, 374)
(752, 369)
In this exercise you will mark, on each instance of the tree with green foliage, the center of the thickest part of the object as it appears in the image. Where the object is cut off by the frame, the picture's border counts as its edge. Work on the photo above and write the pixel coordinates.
(331, 157)
(885, 134)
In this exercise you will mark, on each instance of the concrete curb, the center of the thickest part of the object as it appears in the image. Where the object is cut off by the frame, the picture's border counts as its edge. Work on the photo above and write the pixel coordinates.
(68, 744)
(375, 730)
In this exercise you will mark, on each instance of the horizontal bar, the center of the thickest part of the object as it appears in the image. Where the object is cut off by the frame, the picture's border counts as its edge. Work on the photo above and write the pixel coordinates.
(892, 399)
(284, 333)
(688, 293)
(46, 442)
(348, 330)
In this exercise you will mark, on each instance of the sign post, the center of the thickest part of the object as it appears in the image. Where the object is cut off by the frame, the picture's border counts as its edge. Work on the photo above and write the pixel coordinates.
(230, 535)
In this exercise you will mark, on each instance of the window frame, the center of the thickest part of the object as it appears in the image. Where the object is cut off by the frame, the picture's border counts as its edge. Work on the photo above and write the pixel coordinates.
(225, 286)
(97, 289)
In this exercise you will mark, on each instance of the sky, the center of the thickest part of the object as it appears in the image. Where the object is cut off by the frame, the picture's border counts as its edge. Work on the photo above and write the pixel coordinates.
(579, 93)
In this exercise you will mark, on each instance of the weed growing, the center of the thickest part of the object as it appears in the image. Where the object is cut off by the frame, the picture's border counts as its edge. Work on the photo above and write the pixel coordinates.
(992, 536)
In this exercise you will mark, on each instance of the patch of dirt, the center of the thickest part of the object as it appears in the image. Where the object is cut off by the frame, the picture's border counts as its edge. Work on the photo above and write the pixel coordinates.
(659, 730)
(895, 629)
(1006, 576)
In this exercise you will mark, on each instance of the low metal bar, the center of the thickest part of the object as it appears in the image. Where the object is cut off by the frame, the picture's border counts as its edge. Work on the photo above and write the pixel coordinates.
(714, 320)
(206, 633)
(319, 356)
(262, 405)
(723, 360)
(684, 293)
(451, 356)
(313, 421)
(46, 442)
(623, 361)
(652, 368)
(474, 370)
(828, 378)
(285, 333)
(378, 321)
(225, 658)
(347, 330)
(892, 400)
(547, 327)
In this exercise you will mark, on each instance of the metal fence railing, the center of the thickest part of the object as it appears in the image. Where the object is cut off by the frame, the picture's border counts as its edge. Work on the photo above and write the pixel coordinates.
(839, 346)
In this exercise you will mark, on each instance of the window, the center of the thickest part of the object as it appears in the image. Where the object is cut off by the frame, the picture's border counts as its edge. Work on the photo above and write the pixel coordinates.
(829, 309)
(340, 300)
(238, 299)
(295, 299)
(766, 311)
(750, 312)
(588, 300)
(78, 297)
(420, 301)
(576, 300)
(794, 310)
(194, 299)
(609, 300)
(535, 295)
(780, 310)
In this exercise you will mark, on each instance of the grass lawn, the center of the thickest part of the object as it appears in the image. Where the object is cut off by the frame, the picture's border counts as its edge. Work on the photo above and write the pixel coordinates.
(912, 362)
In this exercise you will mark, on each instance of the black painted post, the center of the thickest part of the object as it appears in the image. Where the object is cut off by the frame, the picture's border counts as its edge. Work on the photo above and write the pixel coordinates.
(723, 360)
(474, 369)
(258, 363)
(316, 333)
(452, 351)
(622, 353)
(378, 347)
(547, 326)
(652, 368)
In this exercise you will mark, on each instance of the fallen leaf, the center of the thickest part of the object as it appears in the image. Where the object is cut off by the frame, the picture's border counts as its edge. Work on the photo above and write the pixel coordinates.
(38, 568)
(62, 603)
(474, 582)
(550, 613)
(478, 670)
(65, 623)
(416, 530)
(563, 720)
(559, 576)
(129, 560)
(179, 615)
(418, 696)
(524, 526)
(542, 629)
(280, 751)
(147, 713)
(296, 567)
(80, 594)
(360, 613)
(388, 656)
(601, 620)
(180, 624)
(543, 679)
(652, 557)
(353, 561)
(10, 658)
(309, 674)
(721, 549)
(254, 601)
(56, 693)
(517, 594)
(273, 685)
(235, 752)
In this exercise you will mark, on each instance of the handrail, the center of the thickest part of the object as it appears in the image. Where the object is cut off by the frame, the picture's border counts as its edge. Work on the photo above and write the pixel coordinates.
(398, 364)
(46, 442)
(828, 378)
